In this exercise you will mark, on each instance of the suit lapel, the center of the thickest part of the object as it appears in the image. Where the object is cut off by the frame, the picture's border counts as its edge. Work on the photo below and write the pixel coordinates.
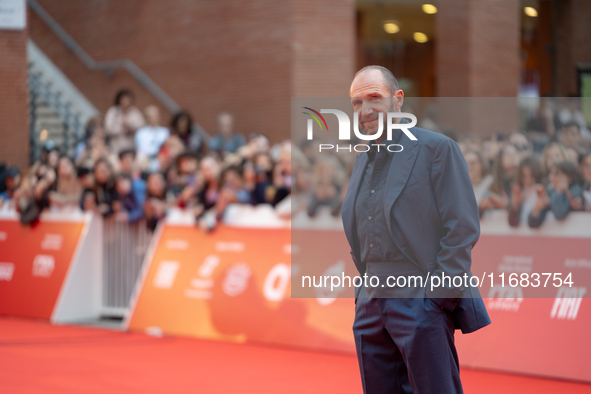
(348, 210)
(400, 167)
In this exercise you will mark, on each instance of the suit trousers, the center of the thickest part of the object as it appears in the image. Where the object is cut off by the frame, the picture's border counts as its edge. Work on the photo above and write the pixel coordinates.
(405, 343)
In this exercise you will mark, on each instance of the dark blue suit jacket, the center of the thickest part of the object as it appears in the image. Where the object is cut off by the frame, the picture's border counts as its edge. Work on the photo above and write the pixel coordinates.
(430, 196)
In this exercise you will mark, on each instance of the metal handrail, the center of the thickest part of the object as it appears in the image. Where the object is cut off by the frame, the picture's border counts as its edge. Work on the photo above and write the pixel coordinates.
(142, 78)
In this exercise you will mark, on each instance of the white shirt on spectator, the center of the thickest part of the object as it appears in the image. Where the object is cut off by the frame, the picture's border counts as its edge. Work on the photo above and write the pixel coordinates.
(120, 127)
(148, 140)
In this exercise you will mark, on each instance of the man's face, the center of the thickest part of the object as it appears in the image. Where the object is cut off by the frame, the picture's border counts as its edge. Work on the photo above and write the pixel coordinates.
(370, 96)
(153, 116)
(226, 124)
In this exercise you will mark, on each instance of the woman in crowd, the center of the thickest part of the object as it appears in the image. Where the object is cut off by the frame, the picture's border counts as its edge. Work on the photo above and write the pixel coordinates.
(67, 190)
(96, 149)
(232, 191)
(173, 185)
(104, 188)
(328, 177)
(504, 172)
(31, 197)
(88, 199)
(553, 154)
(171, 149)
(45, 179)
(210, 187)
(563, 195)
(300, 190)
(480, 177)
(91, 126)
(155, 206)
(524, 194)
(122, 120)
(188, 183)
(182, 126)
(207, 183)
(256, 183)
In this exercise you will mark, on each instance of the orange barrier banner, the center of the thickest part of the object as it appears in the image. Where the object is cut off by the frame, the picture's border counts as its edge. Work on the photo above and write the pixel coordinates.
(34, 262)
(542, 336)
(234, 284)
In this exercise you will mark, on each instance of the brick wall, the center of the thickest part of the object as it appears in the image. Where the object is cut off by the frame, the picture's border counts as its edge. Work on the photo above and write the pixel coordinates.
(14, 125)
(248, 58)
(478, 48)
(478, 56)
(323, 48)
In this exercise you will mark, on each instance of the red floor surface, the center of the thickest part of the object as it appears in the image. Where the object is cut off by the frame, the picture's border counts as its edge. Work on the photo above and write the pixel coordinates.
(36, 357)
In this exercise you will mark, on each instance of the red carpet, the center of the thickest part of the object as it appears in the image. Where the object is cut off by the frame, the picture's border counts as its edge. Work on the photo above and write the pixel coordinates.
(36, 357)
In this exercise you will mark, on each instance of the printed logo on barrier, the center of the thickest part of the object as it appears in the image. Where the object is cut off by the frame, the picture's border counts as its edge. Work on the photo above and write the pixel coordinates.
(345, 129)
(236, 280)
(504, 298)
(276, 282)
(6, 271)
(567, 303)
(177, 244)
(577, 263)
(52, 242)
(235, 246)
(166, 274)
(3, 235)
(516, 264)
(202, 285)
(43, 265)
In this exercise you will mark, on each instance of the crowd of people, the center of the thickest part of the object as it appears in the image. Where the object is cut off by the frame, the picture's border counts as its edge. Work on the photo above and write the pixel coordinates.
(547, 168)
(130, 167)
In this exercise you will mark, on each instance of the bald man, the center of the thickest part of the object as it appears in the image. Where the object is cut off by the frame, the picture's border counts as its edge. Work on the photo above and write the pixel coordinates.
(409, 212)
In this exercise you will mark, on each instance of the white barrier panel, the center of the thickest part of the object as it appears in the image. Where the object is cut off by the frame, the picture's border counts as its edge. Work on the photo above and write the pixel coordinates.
(51, 270)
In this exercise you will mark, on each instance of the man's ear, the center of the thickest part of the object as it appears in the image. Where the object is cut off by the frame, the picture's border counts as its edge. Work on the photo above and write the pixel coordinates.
(398, 99)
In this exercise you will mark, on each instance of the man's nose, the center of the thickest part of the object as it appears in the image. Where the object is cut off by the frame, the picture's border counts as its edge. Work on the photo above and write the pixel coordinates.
(366, 110)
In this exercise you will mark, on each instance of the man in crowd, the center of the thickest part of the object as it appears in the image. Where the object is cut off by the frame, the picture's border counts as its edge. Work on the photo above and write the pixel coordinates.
(226, 140)
(149, 139)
